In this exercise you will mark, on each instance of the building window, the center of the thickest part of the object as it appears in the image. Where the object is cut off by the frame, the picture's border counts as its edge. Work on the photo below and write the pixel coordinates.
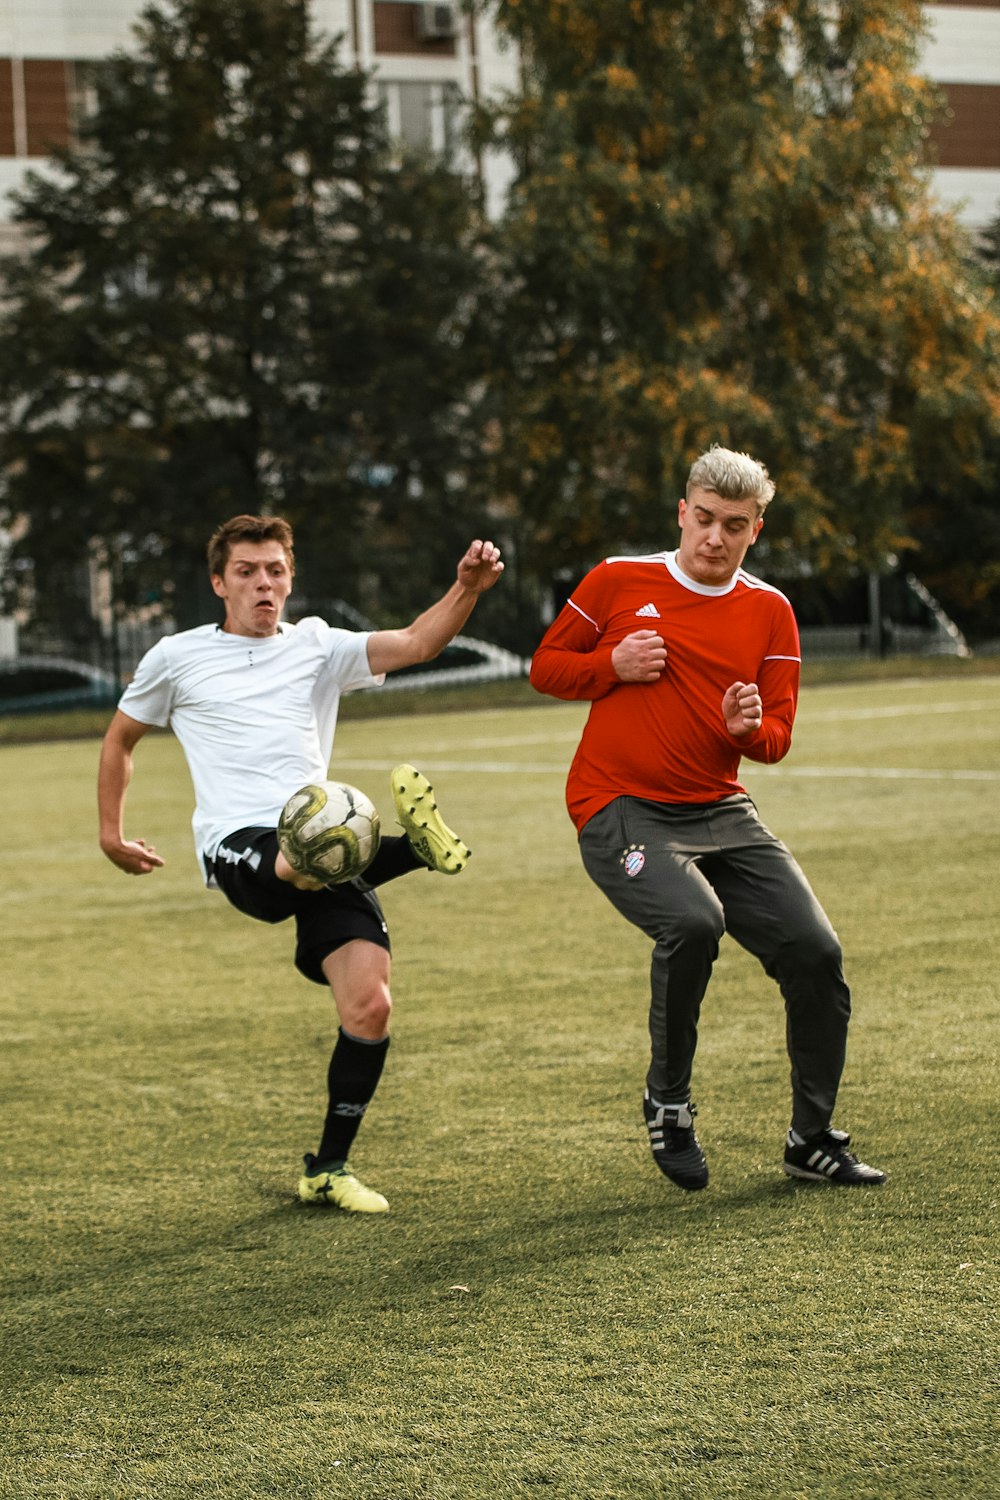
(82, 79)
(423, 115)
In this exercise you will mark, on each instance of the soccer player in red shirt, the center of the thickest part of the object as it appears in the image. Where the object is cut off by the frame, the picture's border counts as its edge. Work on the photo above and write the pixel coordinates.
(689, 664)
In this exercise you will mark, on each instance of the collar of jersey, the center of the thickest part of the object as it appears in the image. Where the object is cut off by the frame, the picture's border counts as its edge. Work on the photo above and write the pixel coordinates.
(257, 640)
(710, 590)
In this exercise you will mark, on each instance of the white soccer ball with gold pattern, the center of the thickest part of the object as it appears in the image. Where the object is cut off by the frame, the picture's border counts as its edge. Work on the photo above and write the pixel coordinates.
(329, 831)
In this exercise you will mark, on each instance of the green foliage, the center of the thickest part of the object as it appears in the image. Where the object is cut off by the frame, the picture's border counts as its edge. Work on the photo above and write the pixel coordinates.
(540, 1313)
(721, 230)
(958, 531)
(236, 298)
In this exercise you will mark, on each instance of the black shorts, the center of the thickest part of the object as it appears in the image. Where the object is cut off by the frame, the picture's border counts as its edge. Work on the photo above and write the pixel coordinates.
(243, 869)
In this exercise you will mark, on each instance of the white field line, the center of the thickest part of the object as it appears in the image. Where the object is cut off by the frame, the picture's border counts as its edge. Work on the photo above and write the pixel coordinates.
(492, 742)
(535, 768)
(571, 737)
(874, 773)
(493, 767)
(899, 711)
(805, 715)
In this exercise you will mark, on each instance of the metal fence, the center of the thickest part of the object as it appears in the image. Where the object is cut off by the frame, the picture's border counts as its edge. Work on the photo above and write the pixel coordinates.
(50, 673)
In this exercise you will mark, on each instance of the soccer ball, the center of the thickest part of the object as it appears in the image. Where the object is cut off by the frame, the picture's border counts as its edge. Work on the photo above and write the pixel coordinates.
(330, 831)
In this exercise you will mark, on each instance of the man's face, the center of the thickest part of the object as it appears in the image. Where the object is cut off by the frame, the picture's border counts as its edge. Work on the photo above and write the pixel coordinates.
(716, 535)
(255, 584)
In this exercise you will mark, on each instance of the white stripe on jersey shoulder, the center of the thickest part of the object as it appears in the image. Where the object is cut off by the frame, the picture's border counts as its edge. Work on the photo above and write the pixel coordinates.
(657, 558)
(782, 658)
(752, 581)
(583, 613)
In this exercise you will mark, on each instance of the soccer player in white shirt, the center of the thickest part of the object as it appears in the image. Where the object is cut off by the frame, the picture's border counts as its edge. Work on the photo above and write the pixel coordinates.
(254, 704)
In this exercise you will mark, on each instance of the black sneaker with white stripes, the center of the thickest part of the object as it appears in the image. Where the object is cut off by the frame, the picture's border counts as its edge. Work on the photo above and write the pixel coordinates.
(674, 1144)
(825, 1158)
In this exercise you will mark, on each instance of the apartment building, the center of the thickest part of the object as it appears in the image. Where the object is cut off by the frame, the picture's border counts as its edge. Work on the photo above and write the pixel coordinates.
(962, 54)
(428, 57)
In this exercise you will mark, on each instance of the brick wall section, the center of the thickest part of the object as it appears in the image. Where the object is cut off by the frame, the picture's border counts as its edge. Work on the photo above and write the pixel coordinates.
(396, 32)
(47, 104)
(6, 108)
(971, 138)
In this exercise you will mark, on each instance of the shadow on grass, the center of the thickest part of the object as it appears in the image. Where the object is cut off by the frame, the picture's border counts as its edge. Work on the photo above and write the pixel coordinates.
(250, 1279)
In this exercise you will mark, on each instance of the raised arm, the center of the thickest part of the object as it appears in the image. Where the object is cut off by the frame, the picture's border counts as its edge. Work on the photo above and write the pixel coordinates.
(134, 856)
(430, 632)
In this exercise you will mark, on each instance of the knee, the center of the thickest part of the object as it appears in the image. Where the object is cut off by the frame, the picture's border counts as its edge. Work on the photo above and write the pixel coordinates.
(815, 950)
(699, 930)
(367, 1011)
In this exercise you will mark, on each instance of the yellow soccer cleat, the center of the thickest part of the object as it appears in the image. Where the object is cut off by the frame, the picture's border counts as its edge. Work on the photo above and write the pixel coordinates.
(432, 840)
(337, 1187)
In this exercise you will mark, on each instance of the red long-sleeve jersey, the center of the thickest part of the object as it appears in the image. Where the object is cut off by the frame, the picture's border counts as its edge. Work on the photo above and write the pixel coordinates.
(666, 740)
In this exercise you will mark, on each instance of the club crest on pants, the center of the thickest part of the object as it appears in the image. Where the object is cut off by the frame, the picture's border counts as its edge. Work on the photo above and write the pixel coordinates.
(633, 859)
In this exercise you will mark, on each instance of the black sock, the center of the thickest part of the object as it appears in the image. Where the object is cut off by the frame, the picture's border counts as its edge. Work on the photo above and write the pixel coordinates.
(396, 856)
(352, 1078)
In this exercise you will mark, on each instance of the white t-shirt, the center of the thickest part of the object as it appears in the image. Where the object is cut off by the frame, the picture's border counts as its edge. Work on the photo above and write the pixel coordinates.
(255, 717)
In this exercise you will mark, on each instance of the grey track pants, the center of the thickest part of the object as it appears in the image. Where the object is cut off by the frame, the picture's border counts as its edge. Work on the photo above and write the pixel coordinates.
(685, 874)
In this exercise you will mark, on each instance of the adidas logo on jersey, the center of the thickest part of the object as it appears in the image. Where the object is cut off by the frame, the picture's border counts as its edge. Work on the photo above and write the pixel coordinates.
(650, 612)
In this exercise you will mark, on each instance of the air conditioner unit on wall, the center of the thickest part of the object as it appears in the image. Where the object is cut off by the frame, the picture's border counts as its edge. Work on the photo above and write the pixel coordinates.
(436, 22)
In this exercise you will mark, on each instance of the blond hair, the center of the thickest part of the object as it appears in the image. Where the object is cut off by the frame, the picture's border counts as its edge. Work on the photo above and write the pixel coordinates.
(731, 476)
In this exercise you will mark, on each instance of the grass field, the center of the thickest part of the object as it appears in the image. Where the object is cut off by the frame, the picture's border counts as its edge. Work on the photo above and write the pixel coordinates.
(541, 1313)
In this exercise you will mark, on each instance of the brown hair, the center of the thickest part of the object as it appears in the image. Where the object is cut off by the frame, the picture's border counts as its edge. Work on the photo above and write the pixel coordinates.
(248, 529)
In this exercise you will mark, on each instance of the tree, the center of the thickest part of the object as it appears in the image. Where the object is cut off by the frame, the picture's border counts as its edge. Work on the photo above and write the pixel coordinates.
(721, 229)
(235, 297)
(957, 533)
